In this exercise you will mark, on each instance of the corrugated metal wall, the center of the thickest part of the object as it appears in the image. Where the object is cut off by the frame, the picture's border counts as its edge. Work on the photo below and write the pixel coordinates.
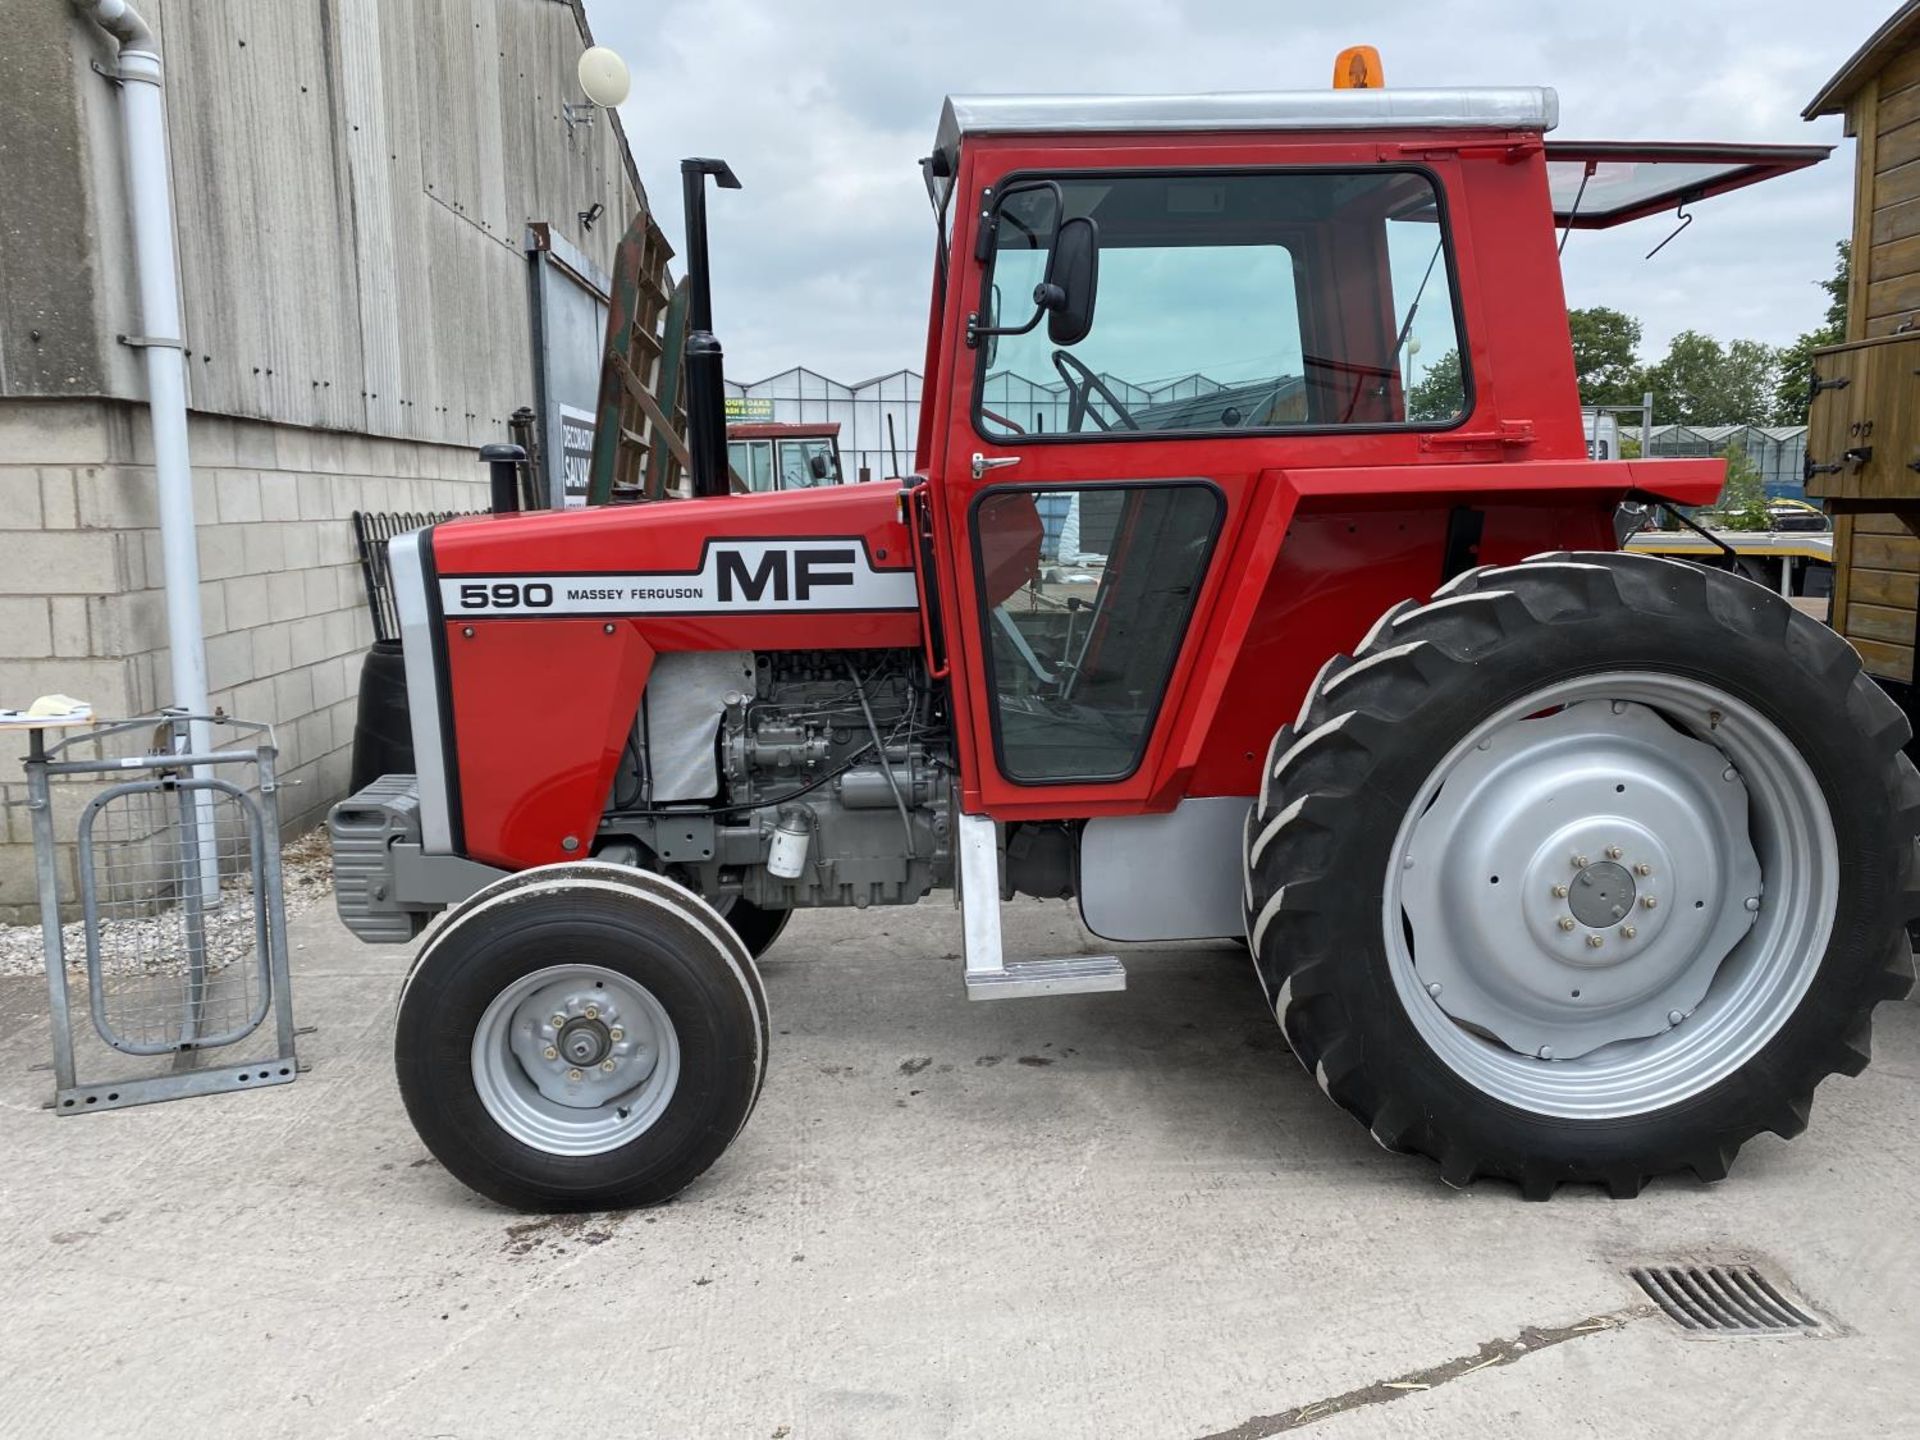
(354, 179)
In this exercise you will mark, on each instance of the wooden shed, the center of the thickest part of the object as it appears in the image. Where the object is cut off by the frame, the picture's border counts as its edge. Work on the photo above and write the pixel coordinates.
(1863, 441)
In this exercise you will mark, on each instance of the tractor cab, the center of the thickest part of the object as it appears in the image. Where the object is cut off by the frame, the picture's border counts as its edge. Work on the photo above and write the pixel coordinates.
(769, 455)
(1167, 327)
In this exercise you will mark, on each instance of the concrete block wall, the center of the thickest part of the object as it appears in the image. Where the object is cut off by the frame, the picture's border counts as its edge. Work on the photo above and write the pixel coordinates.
(82, 610)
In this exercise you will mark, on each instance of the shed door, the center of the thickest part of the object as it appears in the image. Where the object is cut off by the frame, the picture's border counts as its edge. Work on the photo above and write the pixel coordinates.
(1863, 435)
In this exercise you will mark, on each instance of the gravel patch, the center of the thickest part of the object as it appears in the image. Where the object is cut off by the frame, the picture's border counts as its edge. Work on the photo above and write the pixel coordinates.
(150, 944)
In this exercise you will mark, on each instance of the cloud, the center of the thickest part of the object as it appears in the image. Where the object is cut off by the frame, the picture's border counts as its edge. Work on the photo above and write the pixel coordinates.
(824, 107)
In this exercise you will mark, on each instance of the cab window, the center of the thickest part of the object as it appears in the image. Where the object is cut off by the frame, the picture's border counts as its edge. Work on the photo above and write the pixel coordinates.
(807, 463)
(752, 461)
(1245, 302)
(1087, 591)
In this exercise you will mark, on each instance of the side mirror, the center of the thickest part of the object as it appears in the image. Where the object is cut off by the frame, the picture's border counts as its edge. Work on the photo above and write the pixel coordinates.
(1026, 217)
(1073, 282)
(817, 463)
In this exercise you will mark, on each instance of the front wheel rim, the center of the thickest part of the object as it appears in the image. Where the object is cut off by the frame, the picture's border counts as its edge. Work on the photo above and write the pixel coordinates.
(1687, 1018)
(575, 1059)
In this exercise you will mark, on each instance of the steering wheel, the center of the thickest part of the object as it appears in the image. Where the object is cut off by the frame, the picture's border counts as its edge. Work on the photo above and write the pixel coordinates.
(1080, 393)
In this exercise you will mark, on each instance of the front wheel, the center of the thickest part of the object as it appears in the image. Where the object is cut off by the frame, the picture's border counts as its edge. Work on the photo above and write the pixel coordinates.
(1587, 870)
(581, 1040)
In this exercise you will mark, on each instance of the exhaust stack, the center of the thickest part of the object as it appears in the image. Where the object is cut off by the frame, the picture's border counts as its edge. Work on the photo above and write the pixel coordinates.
(706, 378)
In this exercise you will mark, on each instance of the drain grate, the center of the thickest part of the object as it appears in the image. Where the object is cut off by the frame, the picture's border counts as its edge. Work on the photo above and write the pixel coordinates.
(1723, 1299)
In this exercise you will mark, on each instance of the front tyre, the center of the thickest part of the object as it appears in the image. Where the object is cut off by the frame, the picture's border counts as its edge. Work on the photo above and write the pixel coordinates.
(579, 1043)
(1588, 870)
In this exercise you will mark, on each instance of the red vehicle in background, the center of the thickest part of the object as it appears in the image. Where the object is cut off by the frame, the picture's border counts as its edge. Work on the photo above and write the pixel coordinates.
(1252, 580)
(769, 455)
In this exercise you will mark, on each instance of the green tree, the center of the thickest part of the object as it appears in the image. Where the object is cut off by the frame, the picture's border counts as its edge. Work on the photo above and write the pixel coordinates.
(1790, 397)
(1743, 499)
(1701, 382)
(1606, 360)
(1439, 393)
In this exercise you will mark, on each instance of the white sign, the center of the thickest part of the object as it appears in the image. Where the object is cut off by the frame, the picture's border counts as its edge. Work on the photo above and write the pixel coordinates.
(576, 453)
(751, 576)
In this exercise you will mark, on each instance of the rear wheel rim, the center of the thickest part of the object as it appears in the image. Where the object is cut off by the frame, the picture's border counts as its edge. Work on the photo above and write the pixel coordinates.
(575, 1059)
(1490, 1000)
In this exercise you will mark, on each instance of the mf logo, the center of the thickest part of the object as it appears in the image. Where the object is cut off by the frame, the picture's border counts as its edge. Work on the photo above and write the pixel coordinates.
(785, 574)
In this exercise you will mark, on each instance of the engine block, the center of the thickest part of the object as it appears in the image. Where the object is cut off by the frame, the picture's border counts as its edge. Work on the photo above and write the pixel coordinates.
(842, 757)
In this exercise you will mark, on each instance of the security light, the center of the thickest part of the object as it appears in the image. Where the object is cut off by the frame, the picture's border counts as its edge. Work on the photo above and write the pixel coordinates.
(604, 77)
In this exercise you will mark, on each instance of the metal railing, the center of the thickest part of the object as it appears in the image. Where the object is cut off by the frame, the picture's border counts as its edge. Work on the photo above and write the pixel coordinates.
(371, 532)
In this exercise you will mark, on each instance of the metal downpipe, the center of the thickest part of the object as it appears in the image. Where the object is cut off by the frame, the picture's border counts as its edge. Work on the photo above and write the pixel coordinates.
(150, 204)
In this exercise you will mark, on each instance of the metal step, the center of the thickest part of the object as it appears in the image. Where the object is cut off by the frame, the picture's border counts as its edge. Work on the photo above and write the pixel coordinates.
(990, 975)
(1067, 975)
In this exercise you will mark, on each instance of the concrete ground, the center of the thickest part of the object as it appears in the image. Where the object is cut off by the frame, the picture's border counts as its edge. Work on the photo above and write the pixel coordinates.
(1092, 1216)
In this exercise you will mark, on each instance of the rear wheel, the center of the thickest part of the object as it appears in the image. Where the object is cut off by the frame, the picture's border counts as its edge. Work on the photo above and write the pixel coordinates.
(1589, 869)
(576, 1041)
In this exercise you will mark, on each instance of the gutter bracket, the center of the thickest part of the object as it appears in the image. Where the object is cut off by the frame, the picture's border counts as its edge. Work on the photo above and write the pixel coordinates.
(141, 342)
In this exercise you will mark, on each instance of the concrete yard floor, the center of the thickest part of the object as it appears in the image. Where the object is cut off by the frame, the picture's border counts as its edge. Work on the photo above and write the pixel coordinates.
(1091, 1216)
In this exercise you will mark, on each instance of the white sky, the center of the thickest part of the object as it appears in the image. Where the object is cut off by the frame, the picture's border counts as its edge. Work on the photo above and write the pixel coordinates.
(823, 108)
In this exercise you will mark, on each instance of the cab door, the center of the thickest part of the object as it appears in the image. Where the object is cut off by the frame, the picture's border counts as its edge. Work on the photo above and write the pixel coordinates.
(1100, 478)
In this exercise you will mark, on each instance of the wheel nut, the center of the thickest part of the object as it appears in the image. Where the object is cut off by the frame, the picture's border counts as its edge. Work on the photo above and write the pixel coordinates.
(1652, 902)
(1594, 942)
(1613, 852)
(1559, 892)
(1729, 773)
(1627, 932)
(551, 1053)
(1753, 902)
(1546, 1052)
(1643, 868)
(593, 1012)
(616, 1034)
(558, 1021)
(1566, 922)
(1579, 862)
(574, 1075)
(606, 1066)
(1674, 1017)
(1434, 989)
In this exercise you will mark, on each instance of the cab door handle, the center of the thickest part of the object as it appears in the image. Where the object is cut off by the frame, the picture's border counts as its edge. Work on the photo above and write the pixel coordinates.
(982, 464)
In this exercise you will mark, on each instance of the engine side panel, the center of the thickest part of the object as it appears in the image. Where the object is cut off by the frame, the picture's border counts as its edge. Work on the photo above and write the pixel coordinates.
(541, 712)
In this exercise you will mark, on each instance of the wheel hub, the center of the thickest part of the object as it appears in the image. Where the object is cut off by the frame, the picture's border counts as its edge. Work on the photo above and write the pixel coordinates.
(578, 1046)
(1602, 894)
(584, 1042)
(1579, 878)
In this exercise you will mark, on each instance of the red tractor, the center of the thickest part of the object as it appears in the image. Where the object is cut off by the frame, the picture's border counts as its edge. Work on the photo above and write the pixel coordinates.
(780, 455)
(1252, 580)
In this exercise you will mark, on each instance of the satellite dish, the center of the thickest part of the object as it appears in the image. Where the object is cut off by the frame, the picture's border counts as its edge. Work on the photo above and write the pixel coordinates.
(604, 77)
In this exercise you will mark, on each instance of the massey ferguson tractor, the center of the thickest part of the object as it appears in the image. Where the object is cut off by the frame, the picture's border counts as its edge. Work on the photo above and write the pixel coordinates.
(1252, 580)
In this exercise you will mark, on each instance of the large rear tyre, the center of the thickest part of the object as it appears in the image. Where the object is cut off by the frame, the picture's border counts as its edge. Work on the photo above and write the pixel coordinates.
(1590, 869)
(574, 1040)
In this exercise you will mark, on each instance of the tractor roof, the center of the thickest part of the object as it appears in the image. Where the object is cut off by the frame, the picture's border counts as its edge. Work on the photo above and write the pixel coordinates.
(1530, 107)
